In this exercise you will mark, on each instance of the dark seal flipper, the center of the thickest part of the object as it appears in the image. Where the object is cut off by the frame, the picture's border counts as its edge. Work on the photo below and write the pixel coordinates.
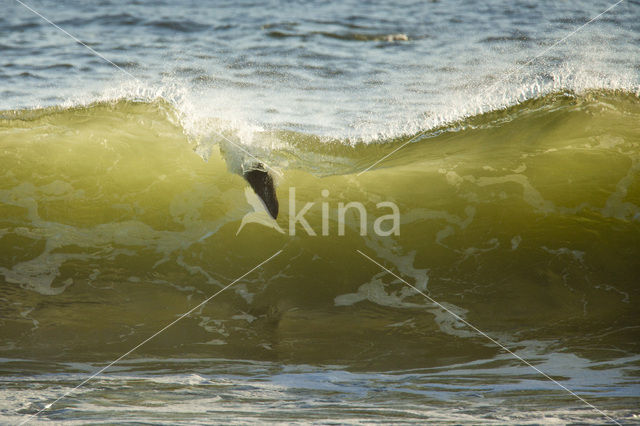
(262, 184)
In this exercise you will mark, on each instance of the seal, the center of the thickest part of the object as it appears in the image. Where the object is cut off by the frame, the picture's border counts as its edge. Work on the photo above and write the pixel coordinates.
(262, 184)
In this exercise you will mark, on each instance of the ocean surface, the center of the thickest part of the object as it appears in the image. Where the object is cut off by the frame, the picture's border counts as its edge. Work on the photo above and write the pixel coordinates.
(505, 133)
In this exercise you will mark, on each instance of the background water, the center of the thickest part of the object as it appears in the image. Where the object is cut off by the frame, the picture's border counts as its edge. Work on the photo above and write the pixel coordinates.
(520, 207)
(323, 67)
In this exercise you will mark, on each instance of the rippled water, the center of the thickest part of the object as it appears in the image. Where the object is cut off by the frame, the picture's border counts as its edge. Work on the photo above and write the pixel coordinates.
(519, 201)
(324, 67)
(212, 391)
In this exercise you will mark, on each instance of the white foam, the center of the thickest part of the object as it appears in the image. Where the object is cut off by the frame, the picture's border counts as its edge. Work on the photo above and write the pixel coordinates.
(206, 113)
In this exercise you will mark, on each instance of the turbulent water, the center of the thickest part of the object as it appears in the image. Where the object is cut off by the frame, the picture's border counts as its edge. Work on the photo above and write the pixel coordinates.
(122, 207)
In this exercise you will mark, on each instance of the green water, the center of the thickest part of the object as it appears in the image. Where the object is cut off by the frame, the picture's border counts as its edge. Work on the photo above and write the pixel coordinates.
(524, 221)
